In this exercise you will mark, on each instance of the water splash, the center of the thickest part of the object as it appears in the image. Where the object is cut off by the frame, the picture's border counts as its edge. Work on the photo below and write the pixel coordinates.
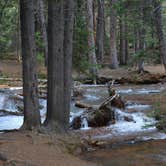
(84, 124)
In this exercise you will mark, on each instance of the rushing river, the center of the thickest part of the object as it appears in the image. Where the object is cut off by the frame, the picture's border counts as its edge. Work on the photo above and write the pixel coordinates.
(140, 125)
(134, 139)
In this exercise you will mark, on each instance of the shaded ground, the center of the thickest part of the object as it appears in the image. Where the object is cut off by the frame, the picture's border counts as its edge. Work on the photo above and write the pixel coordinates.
(151, 153)
(24, 148)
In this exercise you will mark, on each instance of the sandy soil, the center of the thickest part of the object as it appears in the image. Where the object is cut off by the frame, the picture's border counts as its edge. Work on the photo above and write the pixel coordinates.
(25, 148)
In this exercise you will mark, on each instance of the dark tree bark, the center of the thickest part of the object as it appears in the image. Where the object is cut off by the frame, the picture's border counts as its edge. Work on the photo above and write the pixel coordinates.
(113, 47)
(68, 50)
(159, 29)
(55, 109)
(30, 83)
(60, 40)
(123, 52)
(41, 25)
(100, 32)
(91, 41)
(122, 55)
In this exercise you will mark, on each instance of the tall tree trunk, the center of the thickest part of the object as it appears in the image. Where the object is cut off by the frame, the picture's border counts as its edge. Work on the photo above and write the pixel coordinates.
(122, 41)
(91, 41)
(159, 29)
(68, 50)
(55, 109)
(100, 32)
(41, 22)
(113, 47)
(60, 42)
(30, 83)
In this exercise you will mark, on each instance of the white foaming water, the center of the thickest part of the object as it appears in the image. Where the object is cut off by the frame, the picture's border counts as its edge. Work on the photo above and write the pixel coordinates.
(2, 100)
(154, 136)
(15, 88)
(73, 115)
(125, 91)
(138, 107)
(139, 123)
(7, 104)
(84, 125)
(139, 91)
(147, 91)
(43, 103)
(10, 122)
(91, 97)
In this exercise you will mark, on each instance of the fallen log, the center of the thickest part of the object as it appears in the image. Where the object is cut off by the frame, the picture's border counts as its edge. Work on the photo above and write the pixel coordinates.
(5, 113)
(82, 105)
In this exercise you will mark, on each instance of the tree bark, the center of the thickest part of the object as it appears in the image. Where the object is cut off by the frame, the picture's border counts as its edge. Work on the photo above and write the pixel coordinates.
(91, 41)
(100, 32)
(41, 22)
(113, 47)
(30, 82)
(68, 50)
(60, 47)
(55, 109)
(122, 58)
(159, 29)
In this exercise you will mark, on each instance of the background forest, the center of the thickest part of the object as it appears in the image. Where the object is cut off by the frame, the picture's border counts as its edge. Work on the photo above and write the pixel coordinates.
(82, 77)
(124, 33)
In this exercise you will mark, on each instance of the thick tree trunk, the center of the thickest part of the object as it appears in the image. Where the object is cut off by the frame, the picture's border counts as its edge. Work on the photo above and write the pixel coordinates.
(91, 41)
(159, 29)
(68, 50)
(55, 105)
(113, 47)
(41, 22)
(100, 32)
(30, 83)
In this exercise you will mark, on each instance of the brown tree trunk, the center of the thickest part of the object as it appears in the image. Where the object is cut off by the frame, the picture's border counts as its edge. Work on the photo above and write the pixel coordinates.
(68, 50)
(30, 83)
(100, 32)
(55, 109)
(41, 22)
(113, 47)
(122, 55)
(60, 41)
(91, 41)
(159, 29)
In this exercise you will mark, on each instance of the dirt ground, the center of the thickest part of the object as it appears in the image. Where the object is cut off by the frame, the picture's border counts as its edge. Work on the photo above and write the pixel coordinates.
(12, 68)
(31, 149)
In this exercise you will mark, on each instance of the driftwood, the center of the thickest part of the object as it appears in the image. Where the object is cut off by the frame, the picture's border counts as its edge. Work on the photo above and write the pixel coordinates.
(82, 105)
(5, 113)
(101, 116)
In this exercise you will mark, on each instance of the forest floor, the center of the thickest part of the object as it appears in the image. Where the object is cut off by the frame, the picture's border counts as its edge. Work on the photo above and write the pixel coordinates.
(12, 68)
(32, 149)
(25, 148)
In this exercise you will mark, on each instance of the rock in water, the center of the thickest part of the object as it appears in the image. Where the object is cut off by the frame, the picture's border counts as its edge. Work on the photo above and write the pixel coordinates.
(76, 123)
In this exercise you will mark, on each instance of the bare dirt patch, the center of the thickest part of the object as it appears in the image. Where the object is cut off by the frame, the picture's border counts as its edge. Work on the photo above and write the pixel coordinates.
(27, 148)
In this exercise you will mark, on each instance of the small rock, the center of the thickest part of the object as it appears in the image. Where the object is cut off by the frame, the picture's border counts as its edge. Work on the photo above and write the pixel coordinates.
(128, 118)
